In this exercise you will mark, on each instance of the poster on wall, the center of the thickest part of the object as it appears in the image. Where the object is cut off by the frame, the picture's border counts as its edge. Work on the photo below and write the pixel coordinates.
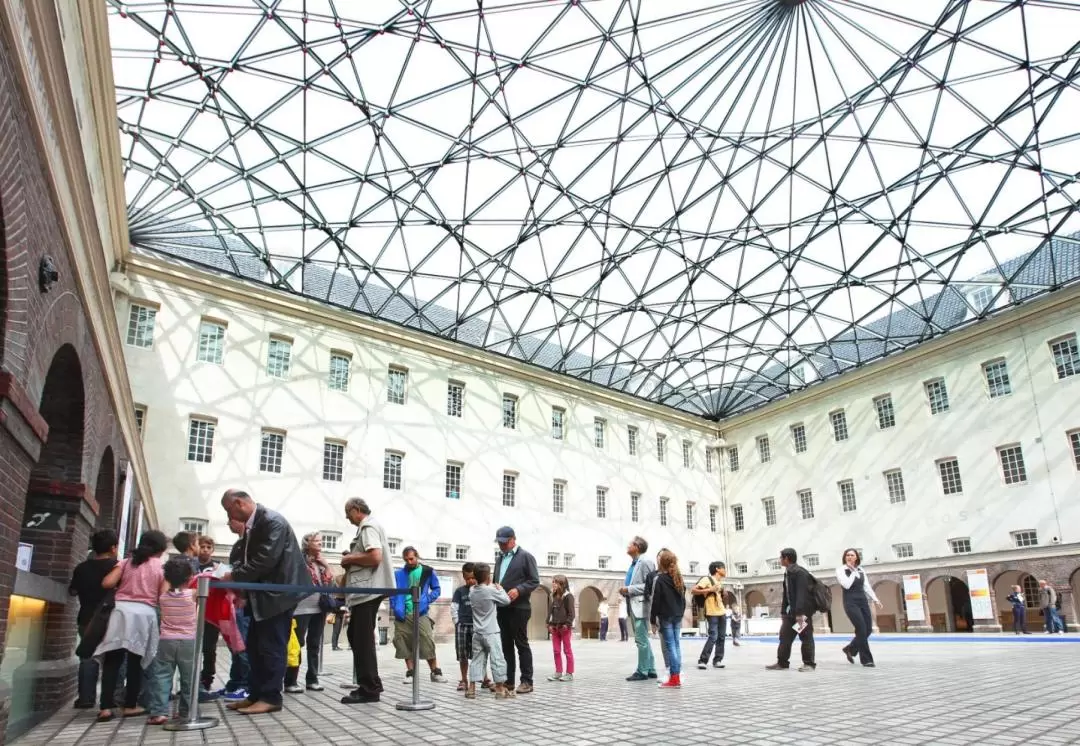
(913, 598)
(979, 588)
(446, 587)
(125, 514)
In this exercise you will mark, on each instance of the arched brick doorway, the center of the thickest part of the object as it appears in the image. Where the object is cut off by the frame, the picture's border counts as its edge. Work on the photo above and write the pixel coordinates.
(588, 612)
(541, 605)
(950, 605)
(63, 405)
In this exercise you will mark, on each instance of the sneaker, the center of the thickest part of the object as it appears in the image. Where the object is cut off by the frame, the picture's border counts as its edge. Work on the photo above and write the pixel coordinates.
(408, 677)
(236, 696)
(637, 676)
(205, 696)
(652, 674)
(807, 667)
(568, 677)
(436, 676)
(717, 664)
(776, 667)
(294, 689)
(316, 687)
(702, 666)
(555, 677)
(524, 688)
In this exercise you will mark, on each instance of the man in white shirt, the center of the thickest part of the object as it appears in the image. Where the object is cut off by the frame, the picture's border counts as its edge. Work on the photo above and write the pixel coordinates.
(604, 611)
(620, 612)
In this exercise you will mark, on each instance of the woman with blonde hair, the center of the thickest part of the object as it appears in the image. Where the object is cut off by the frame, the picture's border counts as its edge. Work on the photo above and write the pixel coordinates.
(668, 607)
(310, 616)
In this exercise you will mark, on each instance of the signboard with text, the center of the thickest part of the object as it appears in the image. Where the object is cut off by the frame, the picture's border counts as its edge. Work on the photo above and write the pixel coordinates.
(979, 589)
(913, 598)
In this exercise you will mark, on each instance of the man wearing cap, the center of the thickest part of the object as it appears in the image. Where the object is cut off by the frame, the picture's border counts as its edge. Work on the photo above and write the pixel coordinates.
(516, 572)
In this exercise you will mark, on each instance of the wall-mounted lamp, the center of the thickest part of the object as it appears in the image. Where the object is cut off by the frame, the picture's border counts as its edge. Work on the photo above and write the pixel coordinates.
(47, 273)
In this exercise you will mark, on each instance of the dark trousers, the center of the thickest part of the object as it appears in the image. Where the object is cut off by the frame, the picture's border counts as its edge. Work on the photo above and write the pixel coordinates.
(603, 628)
(514, 631)
(623, 635)
(88, 679)
(209, 655)
(309, 633)
(717, 635)
(339, 622)
(362, 620)
(787, 637)
(1019, 620)
(110, 675)
(267, 641)
(859, 614)
(240, 669)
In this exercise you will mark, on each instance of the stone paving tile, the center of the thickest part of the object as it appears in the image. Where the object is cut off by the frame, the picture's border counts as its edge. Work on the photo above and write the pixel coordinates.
(921, 694)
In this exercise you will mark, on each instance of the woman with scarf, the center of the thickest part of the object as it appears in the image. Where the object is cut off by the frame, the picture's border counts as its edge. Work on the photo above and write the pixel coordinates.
(310, 617)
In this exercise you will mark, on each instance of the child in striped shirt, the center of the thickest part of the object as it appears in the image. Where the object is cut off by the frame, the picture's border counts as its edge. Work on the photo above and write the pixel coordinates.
(176, 647)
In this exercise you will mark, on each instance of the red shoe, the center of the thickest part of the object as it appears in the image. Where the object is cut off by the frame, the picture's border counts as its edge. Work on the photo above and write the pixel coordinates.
(674, 682)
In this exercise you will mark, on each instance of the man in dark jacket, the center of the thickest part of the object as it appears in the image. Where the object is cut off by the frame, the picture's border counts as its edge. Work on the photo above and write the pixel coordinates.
(271, 554)
(796, 610)
(516, 572)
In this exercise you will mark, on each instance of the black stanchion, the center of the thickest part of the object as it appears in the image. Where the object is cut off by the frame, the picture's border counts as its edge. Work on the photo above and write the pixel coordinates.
(416, 704)
(194, 722)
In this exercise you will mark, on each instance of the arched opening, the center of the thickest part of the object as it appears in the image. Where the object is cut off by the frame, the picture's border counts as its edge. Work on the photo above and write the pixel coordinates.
(950, 605)
(838, 618)
(541, 605)
(1074, 612)
(63, 407)
(588, 613)
(105, 491)
(1003, 588)
(890, 617)
(3, 277)
(756, 605)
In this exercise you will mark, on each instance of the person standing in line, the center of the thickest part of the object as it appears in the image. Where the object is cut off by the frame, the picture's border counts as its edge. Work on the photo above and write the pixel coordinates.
(1019, 610)
(641, 567)
(271, 554)
(667, 608)
(1048, 602)
(86, 584)
(415, 574)
(238, 685)
(176, 645)
(367, 565)
(604, 610)
(711, 589)
(858, 594)
(186, 544)
(620, 614)
(561, 627)
(485, 599)
(796, 614)
(310, 617)
(516, 571)
(204, 562)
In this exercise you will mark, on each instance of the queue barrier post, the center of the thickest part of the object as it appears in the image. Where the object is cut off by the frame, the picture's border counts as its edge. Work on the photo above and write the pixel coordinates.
(415, 704)
(194, 721)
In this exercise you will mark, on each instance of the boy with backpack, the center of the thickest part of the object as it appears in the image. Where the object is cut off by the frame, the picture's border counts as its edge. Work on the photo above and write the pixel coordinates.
(708, 595)
(803, 595)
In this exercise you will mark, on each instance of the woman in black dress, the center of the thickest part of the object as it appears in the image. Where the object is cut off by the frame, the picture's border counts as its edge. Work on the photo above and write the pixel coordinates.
(857, 597)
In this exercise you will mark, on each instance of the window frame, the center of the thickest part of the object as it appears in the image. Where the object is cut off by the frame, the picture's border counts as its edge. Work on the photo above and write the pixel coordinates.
(687, 454)
(223, 326)
(738, 518)
(211, 424)
(900, 490)
(941, 404)
(136, 327)
(798, 437)
(945, 489)
(661, 447)
(632, 444)
(455, 402)
(335, 535)
(838, 423)
(635, 507)
(691, 515)
(764, 448)
(558, 429)
(601, 501)
(1004, 380)
(958, 542)
(328, 445)
(599, 432)
(1019, 465)
(192, 525)
(848, 495)
(558, 496)
(806, 497)
(509, 480)
(397, 372)
(339, 380)
(510, 417)
(284, 369)
(455, 470)
(665, 518)
(768, 507)
(389, 456)
(733, 458)
(1018, 534)
(899, 555)
(1066, 368)
(885, 409)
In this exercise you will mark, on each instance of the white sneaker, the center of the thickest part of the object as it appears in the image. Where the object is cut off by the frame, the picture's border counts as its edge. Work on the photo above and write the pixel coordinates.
(703, 667)
(555, 677)
(568, 677)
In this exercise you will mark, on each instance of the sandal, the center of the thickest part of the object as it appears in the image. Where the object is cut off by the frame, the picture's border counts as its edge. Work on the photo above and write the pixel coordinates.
(134, 712)
(157, 720)
(461, 686)
(105, 716)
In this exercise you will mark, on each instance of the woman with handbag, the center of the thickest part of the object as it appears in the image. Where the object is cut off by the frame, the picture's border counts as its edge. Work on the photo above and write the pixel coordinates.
(310, 616)
(132, 633)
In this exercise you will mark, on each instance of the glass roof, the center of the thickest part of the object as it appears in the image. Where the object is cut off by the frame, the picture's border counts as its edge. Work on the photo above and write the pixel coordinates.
(708, 205)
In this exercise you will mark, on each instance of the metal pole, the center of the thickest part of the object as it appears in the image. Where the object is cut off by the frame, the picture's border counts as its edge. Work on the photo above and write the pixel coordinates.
(416, 704)
(194, 722)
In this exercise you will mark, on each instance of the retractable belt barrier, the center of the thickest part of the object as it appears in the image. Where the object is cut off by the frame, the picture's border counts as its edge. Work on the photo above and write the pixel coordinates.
(195, 722)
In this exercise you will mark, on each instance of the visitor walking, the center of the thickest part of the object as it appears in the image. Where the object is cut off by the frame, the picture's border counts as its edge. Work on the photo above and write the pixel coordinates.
(858, 595)
(710, 590)
(796, 614)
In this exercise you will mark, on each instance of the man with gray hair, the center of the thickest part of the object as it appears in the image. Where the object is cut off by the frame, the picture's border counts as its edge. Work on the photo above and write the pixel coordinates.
(367, 565)
(637, 578)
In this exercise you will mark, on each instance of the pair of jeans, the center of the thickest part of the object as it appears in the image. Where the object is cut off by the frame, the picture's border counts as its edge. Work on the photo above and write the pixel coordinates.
(1050, 619)
(1019, 619)
(623, 634)
(487, 650)
(603, 628)
(362, 620)
(112, 661)
(240, 670)
(560, 644)
(309, 633)
(88, 679)
(787, 637)
(514, 629)
(339, 622)
(669, 637)
(211, 634)
(171, 656)
(717, 635)
(646, 664)
(267, 641)
(859, 613)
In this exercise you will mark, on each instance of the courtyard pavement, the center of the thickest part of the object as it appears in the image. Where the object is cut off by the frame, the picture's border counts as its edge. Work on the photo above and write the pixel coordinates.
(945, 692)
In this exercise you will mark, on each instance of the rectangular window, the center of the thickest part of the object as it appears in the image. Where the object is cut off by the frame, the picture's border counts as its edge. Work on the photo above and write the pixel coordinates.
(1013, 470)
(691, 516)
(599, 430)
(773, 564)
(960, 546)
(798, 438)
(553, 559)
(937, 395)
(397, 382)
(201, 440)
(737, 517)
(510, 411)
(894, 482)
(663, 511)
(453, 480)
(886, 415)
(708, 460)
(509, 490)
(1074, 443)
(903, 551)
(763, 449)
(686, 454)
(393, 544)
(329, 540)
(333, 461)
(631, 439)
(714, 518)
(661, 443)
(847, 495)
(278, 357)
(1065, 351)
(211, 342)
(601, 502)
(733, 458)
(557, 414)
(568, 560)
(768, 505)
(742, 568)
(806, 504)
(1026, 538)
(140, 331)
(140, 419)
(455, 398)
(693, 568)
(996, 373)
(949, 471)
(635, 507)
(839, 425)
(442, 551)
(603, 563)
(391, 475)
(194, 525)
(337, 378)
(461, 553)
(812, 560)
(558, 496)
(271, 451)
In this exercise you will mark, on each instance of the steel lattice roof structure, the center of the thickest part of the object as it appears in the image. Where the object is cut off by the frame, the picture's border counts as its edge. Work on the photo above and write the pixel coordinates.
(706, 204)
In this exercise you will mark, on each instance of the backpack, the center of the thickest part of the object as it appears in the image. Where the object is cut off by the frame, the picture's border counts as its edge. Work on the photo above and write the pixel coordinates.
(697, 601)
(821, 595)
(650, 580)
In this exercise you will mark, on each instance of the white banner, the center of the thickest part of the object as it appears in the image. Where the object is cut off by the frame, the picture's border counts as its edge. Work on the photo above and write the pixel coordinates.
(446, 586)
(125, 515)
(913, 598)
(979, 589)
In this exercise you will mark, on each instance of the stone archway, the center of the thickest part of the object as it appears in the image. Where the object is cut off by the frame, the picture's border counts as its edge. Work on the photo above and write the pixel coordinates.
(754, 600)
(890, 617)
(63, 406)
(541, 606)
(105, 491)
(1074, 585)
(588, 613)
(950, 604)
